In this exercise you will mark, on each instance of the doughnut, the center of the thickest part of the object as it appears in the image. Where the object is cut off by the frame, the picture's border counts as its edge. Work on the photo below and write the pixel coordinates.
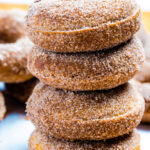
(13, 61)
(14, 47)
(87, 71)
(20, 91)
(11, 25)
(2, 107)
(144, 89)
(78, 26)
(39, 141)
(88, 115)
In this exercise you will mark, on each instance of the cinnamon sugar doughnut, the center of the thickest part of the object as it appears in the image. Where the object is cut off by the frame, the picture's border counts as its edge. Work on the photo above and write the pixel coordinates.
(87, 71)
(39, 141)
(2, 107)
(21, 91)
(11, 25)
(13, 61)
(90, 115)
(77, 25)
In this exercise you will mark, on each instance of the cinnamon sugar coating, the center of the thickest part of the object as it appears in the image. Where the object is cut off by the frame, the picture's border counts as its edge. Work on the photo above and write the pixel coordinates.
(13, 61)
(87, 71)
(39, 141)
(11, 25)
(90, 115)
(82, 25)
(20, 91)
(2, 107)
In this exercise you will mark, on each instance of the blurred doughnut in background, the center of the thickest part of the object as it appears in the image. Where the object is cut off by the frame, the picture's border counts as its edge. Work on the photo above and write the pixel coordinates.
(143, 77)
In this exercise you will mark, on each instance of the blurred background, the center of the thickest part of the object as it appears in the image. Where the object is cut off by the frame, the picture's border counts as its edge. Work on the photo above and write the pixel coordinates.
(15, 129)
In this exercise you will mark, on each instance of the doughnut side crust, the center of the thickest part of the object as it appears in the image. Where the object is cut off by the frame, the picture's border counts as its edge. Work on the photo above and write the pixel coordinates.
(87, 71)
(2, 107)
(105, 36)
(91, 115)
(77, 26)
(39, 141)
(13, 61)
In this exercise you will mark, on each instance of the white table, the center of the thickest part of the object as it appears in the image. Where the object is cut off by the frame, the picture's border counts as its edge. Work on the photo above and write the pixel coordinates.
(15, 130)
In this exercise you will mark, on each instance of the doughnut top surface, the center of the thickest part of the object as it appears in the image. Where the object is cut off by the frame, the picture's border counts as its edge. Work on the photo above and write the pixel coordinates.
(68, 15)
(39, 141)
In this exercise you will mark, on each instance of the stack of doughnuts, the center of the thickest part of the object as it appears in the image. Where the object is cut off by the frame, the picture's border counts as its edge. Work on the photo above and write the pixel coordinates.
(85, 53)
(14, 48)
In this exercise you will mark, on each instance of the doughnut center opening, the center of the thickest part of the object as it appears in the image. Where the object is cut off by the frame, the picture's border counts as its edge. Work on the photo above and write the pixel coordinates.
(6, 38)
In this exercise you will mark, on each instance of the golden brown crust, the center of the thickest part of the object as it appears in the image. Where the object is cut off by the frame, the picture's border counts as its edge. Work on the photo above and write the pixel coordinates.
(11, 25)
(77, 26)
(39, 141)
(20, 91)
(13, 61)
(91, 115)
(2, 107)
(87, 71)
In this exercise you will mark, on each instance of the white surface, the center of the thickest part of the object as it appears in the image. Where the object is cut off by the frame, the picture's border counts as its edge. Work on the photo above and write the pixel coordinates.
(145, 4)
(15, 132)
(144, 131)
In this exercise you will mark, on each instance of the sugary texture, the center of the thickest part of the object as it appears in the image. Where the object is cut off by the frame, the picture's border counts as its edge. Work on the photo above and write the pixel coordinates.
(144, 89)
(87, 71)
(11, 25)
(13, 61)
(82, 25)
(2, 107)
(39, 141)
(20, 91)
(90, 115)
